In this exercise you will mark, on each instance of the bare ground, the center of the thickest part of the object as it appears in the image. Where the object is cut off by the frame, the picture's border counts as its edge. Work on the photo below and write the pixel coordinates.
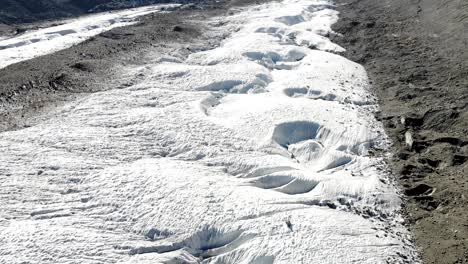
(416, 54)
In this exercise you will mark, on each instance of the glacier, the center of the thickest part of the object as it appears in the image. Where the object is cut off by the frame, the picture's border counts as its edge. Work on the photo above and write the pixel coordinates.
(43, 41)
(262, 150)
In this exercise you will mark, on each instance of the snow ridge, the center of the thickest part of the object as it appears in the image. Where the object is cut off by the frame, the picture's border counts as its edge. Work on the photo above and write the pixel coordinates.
(259, 151)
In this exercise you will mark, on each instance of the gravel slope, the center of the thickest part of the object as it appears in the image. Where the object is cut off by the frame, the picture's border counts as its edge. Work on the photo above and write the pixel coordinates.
(415, 53)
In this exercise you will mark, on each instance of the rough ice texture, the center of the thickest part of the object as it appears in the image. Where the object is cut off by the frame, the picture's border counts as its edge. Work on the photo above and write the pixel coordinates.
(258, 151)
(48, 40)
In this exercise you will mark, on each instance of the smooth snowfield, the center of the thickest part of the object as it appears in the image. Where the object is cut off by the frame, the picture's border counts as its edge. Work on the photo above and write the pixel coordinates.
(259, 151)
(48, 40)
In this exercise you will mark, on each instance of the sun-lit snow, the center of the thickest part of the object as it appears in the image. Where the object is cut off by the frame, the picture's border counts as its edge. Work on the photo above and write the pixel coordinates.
(259, 151)
(48, 40)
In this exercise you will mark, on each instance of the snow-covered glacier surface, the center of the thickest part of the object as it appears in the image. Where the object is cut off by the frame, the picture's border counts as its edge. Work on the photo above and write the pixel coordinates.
(262, 150)
(44, 41)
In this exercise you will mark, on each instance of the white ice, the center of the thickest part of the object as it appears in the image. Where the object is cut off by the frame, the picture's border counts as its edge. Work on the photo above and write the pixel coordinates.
(44, 41)
(258, 151)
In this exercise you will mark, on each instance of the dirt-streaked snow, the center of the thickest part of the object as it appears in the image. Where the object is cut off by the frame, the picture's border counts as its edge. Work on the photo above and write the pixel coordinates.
(258, 151)
(48, 40)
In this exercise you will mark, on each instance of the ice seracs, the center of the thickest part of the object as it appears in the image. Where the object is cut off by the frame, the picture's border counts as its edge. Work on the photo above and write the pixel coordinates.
(257, 151)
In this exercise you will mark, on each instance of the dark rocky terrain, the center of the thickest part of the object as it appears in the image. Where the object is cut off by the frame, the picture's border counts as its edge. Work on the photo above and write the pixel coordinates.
(30, 87)
(416, 55)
